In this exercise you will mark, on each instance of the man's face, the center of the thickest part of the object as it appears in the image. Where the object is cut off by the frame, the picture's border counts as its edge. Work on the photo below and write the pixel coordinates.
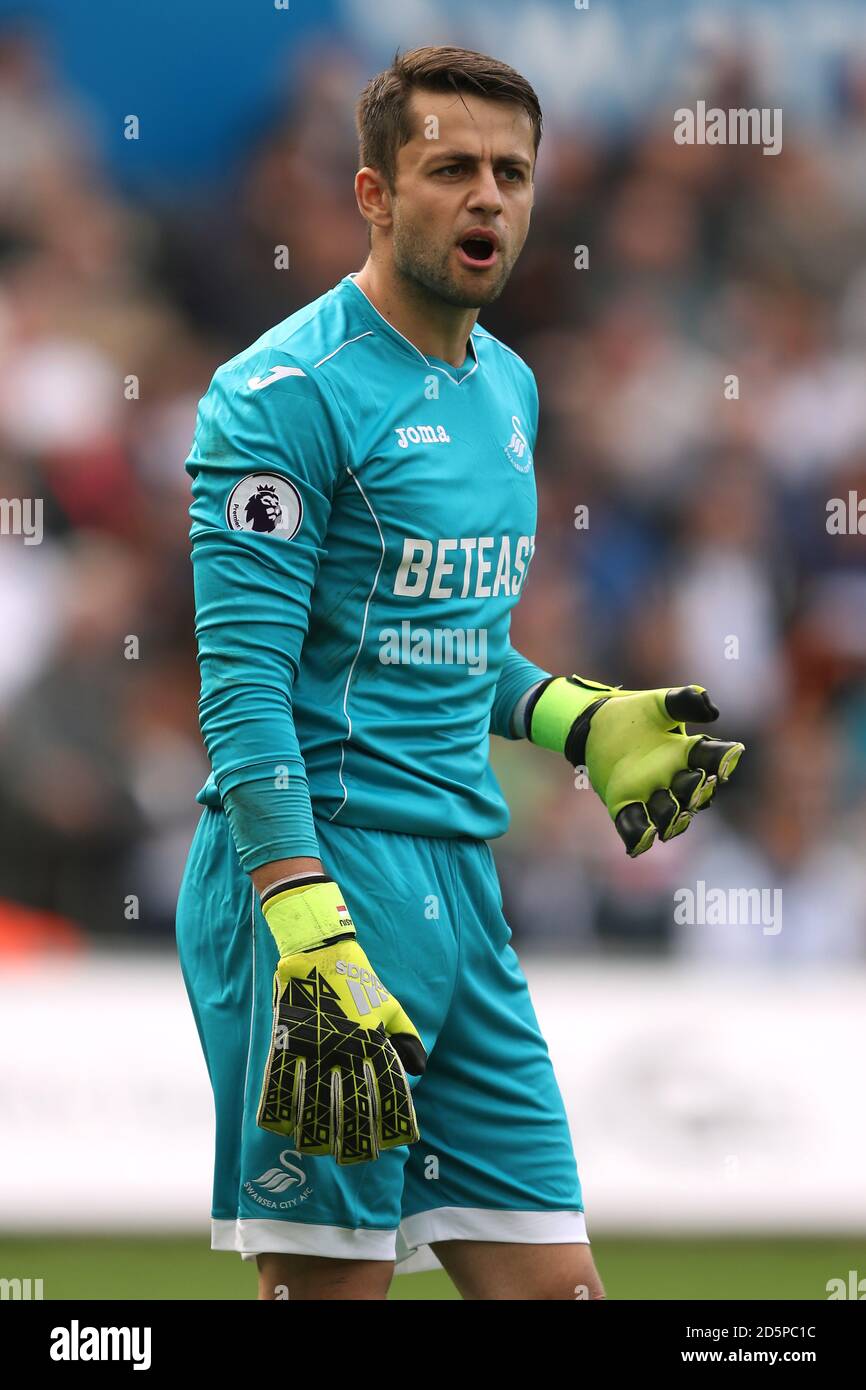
(468, 165)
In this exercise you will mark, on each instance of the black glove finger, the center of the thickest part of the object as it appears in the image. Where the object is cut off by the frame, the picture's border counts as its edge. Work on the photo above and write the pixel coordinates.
(277, 1102)
(375, 1103)
(335, 1107)
(411, 1052)
(311, 1109)
(706, 794)
(635, 828)
(688, 704)
(667, 814)
(715, 757)
(394, 1115)
(354, 1134)
(663, 810)
(686, 787)
(394, 1118)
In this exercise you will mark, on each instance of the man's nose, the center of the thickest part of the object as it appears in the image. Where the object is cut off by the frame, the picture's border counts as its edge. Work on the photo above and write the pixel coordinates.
(485, 190)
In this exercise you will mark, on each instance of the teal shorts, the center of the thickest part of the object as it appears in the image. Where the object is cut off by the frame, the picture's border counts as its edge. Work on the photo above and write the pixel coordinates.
(495, 1160)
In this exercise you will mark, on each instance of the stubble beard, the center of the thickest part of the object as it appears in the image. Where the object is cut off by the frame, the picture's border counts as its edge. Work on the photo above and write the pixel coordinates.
(426, 269)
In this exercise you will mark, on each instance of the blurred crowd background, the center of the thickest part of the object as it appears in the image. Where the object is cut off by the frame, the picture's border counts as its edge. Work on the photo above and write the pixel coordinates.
(706, 556)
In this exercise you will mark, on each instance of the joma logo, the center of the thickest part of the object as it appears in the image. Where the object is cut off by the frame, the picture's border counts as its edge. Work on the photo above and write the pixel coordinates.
(422, 434)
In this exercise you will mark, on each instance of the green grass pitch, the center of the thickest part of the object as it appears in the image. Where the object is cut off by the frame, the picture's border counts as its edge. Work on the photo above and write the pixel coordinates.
(183, 1267)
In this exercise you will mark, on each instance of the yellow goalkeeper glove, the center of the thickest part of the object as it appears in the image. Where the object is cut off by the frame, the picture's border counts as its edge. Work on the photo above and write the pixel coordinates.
(341, 1044)
(649, 772)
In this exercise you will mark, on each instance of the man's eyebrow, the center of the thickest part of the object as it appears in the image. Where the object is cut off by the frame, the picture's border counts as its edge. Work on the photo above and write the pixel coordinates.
(467, 157)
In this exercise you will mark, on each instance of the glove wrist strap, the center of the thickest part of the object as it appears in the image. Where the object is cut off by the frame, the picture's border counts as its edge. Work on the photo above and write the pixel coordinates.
(575, 744)
(534, 697)
(558, 707)
(306, 914)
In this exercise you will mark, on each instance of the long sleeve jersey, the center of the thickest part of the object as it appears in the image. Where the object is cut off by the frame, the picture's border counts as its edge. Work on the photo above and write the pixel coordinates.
(363, 522)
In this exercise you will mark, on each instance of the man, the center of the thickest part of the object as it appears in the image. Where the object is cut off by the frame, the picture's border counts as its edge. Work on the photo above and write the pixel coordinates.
(363, 522)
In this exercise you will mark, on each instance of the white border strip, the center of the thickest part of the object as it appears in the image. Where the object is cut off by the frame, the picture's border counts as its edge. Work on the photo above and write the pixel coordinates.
(367, 334)
(360, 645)
(410, 1245)
(483, 1223)
(251, 1236)
(432, 365)
(253, 993)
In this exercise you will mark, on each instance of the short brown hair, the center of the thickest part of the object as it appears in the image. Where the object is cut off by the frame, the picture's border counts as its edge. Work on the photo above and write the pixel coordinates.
(382, 112)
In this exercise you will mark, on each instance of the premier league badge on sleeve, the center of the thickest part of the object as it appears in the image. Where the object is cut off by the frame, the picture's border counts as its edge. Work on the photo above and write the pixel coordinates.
(265, 502)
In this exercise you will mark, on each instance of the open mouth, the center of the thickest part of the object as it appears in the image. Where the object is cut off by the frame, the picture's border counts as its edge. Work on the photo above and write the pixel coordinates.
(479, 250)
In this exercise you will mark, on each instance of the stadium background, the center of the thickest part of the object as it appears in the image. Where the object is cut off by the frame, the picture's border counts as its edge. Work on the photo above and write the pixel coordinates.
(731, 1051)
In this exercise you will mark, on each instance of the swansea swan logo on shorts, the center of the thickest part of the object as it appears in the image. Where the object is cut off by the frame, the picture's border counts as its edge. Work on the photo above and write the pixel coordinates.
(288, 1177)
(267, 503)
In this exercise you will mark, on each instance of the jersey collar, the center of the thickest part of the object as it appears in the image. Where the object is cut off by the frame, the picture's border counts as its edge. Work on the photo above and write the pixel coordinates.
(456, 374)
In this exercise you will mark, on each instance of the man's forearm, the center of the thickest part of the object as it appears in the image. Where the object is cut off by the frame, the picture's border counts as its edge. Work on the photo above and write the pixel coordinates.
(517, 676)
(518, 718)
(266, 874)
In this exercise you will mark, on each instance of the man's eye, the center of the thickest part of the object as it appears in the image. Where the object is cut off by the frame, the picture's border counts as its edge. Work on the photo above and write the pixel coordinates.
(510, 169)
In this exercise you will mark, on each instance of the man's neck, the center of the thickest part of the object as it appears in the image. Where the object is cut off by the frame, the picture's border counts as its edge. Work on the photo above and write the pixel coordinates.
(436, 329)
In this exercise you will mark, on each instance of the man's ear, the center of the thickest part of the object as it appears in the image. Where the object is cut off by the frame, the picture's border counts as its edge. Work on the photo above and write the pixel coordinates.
(373, 196)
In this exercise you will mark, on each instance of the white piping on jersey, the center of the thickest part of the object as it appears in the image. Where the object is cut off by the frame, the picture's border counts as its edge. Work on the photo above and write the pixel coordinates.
(431, 365)
(490, 338)
(368, 334)
(360, 645)
(253, 1003)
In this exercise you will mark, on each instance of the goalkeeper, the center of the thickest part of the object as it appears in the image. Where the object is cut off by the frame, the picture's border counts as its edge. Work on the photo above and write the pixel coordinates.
(363, 522)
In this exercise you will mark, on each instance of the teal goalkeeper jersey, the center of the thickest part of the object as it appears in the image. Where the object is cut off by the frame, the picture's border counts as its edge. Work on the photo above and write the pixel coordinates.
(363, 522)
